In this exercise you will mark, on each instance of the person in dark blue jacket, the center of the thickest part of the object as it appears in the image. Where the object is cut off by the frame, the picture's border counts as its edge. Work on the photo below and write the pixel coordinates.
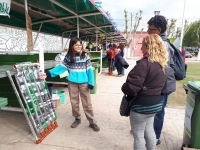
(120, 64)
(121, 52)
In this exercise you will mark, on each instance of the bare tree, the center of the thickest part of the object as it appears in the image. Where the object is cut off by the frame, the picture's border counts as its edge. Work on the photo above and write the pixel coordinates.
(139, 36)
(126, 23)
(130, 35)
(171, 28)
(178, 32)
(198, 34)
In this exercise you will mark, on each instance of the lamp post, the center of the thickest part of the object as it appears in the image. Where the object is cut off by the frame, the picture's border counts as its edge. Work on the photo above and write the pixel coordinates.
(182, 29)
(156, 13)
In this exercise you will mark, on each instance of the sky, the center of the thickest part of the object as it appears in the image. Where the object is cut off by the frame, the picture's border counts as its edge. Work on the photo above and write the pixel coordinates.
(171, 9)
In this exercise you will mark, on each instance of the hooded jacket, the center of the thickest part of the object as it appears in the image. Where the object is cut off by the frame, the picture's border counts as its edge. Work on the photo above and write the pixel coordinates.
(171, 81)
(120, 62)
(147, 81)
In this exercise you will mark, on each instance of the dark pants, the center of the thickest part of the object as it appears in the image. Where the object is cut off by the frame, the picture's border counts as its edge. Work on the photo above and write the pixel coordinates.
(111, 65)
(159, 117)
(120, 70)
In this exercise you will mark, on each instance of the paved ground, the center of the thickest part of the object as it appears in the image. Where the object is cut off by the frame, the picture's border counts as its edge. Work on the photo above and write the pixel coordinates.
(114, 134)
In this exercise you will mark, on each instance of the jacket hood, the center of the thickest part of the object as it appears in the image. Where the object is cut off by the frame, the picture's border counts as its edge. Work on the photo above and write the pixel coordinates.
(163, 36)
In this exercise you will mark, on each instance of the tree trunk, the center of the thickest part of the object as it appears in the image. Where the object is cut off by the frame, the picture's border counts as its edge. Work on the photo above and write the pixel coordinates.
(127, 53)
(198, 57)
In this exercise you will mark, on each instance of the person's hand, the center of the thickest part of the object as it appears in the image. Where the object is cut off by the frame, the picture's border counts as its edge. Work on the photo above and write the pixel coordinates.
(43, 76)
(90, 87)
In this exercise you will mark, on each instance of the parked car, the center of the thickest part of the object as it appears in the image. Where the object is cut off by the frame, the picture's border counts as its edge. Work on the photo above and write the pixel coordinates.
(188, 55)
(193, 53)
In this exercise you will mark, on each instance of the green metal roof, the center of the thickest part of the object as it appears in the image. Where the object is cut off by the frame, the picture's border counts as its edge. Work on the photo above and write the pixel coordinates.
(59, 17)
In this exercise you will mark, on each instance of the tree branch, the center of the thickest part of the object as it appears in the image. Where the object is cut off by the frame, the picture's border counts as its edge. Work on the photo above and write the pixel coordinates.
(139, 36)
(133, 28)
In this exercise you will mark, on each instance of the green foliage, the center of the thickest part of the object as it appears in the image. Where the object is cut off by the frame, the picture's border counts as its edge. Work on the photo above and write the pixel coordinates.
(193, 73)
(178, 98)
(190, 38)
(172, 40)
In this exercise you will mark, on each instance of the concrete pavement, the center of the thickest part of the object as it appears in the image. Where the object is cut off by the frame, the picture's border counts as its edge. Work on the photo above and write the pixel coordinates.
(114, 134)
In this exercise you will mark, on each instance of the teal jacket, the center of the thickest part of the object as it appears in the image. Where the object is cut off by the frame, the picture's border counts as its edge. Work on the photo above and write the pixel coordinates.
(80, 71)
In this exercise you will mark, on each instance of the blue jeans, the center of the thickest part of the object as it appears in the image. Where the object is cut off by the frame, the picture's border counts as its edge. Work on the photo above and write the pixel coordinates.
(122, 71)
(159, 117)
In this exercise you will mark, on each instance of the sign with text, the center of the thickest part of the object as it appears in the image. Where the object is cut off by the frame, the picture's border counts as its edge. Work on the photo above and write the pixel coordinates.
(4, 7)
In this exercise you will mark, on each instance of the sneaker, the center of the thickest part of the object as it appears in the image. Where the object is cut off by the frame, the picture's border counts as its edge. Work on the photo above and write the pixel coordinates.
(94, 127)
(75, 123)
(158, 141)
(119, 75)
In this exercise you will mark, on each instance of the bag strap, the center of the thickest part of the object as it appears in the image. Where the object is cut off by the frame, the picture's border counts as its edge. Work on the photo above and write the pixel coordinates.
(153, 79)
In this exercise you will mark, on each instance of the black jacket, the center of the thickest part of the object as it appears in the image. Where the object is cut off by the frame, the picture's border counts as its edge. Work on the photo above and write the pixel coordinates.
(143, 73)
(120, 62)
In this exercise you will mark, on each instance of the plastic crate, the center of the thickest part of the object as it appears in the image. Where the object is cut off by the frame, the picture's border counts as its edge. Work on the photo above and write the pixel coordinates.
(61, 94)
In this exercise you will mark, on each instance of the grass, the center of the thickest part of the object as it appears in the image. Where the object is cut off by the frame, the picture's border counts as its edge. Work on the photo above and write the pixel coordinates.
(178, 98)
(172, 40)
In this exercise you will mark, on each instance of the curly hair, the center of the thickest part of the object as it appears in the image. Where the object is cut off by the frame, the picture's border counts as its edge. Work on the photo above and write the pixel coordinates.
(159, 22)
(156, 49)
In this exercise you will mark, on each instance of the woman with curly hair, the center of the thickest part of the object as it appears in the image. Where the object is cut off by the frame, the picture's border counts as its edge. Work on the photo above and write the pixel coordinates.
(147, 81)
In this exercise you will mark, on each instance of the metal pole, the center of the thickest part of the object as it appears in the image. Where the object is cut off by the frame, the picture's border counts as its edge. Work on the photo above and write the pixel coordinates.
(106, 42)
(96, 39)
(77, 27)
(26, 7)
(26, 11)
(37, 34)
(15, 109)
(41, 56)
(101, 61)
(66, 42)
(182, 29)
(62, 41)
(68, 39)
